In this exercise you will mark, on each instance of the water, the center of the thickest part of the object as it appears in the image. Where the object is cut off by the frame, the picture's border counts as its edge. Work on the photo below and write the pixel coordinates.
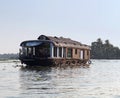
(100, 80)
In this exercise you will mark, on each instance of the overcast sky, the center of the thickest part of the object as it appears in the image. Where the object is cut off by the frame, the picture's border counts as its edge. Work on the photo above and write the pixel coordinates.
(81, 20)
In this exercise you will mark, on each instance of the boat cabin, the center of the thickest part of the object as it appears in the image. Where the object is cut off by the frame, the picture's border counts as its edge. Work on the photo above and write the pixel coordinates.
(48, 50)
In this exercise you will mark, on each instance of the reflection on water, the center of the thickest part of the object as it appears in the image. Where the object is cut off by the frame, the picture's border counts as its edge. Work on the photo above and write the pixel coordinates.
(51, 81)
(100, 80)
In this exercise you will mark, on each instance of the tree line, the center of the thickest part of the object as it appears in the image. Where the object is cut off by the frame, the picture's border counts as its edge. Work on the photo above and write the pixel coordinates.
(104, 50)
(9, 56)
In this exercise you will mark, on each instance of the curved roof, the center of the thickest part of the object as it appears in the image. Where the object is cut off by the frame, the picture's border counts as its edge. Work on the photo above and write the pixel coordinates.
(64, 42)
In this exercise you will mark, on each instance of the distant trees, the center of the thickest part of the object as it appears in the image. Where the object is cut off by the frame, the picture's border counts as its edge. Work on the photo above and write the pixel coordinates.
(106, 50)
(8, 56)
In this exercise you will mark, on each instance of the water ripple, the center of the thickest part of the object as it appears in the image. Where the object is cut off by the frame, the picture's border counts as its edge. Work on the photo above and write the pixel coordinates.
(100, 80)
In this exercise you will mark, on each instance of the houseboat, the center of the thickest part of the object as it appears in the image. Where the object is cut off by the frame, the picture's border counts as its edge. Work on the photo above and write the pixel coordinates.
(48, 50)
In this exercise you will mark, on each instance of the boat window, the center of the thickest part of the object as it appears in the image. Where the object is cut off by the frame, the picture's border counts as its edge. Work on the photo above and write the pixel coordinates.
(33, 43)
(43, 50)
(75, 51)
(30, 51)
(69, 52)
(64, 52)
(24, 50)
(60, 51)
(55, 51)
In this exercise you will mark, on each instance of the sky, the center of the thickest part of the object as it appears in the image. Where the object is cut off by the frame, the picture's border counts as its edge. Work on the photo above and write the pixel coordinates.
(81, 20)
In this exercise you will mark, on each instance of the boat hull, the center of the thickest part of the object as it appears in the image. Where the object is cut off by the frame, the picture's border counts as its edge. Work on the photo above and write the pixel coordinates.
(52, 62)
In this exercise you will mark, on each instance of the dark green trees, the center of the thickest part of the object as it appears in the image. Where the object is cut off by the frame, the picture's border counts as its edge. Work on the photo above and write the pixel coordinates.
(100, 50)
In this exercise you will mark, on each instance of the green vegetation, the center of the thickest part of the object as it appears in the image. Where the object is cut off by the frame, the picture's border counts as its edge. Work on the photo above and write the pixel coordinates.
(106, 50)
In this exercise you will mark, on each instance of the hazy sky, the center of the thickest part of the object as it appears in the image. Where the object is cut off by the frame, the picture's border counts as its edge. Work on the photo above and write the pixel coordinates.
(81, 20)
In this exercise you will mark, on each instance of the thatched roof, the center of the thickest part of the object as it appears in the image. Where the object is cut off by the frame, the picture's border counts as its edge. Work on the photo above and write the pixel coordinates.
(64, 42)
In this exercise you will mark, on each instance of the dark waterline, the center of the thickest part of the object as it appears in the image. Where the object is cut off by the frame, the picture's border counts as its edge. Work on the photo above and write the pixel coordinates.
(100, 80)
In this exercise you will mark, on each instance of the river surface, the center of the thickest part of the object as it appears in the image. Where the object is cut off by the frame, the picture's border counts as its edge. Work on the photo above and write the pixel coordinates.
(100, 80)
